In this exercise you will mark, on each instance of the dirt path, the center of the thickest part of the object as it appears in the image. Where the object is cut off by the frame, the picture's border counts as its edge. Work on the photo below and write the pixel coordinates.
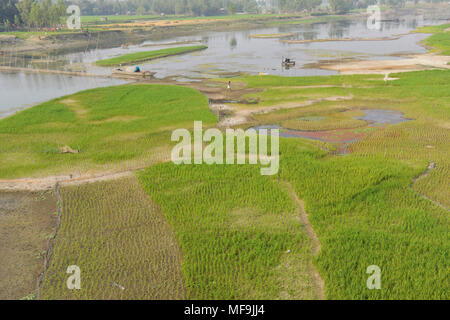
(319, 285)
(49, 183)
(242, 116)
(342, 39)
(423, 175)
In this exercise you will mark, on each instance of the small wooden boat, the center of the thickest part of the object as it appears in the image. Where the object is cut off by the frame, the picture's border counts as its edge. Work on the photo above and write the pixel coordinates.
(132, 74)
(288, 63)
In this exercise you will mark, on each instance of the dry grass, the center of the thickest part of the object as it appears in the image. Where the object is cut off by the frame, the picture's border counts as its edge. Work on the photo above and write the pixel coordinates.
(27, 221)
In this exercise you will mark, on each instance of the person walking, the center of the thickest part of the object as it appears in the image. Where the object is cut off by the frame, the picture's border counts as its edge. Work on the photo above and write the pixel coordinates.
(229, 85)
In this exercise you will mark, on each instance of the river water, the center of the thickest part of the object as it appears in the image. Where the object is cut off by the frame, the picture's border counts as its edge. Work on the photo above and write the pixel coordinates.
(228, 52)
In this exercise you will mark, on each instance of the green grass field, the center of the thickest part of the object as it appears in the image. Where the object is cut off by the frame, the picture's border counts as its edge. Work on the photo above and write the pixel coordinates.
(440, 38)
(238, 231)
(137, 57)
(118, 238)
(127, 18)
(124, 18)
(362, 205)
(365, 213)
(116, 126)
(422, 96)
(35, 34)
(234, 227)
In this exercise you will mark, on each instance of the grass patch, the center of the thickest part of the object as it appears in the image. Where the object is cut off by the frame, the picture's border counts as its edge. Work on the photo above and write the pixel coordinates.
(29, 34)
(126, 18)
(234, 227)
(116, 126)
(148, 55)
(365, 213)
(440, 38)
(118, 238)
(422, 96)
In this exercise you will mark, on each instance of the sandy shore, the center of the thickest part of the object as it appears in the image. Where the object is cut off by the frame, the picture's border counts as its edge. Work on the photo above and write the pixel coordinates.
(341, 39)
(410, 63)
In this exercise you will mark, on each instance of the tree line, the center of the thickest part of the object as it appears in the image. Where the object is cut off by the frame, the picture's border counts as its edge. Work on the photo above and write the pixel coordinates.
(31, 13)
(178, 7)
(48, 13)
(218, 7)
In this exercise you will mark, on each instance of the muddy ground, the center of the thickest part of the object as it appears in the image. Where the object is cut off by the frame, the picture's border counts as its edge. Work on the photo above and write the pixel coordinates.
(27, 220)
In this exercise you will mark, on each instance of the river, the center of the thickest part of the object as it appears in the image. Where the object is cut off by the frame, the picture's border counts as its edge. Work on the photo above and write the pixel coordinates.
(228, 52)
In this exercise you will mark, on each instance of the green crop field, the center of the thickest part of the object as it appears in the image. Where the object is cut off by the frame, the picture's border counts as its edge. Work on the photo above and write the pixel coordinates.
(126, 18)
(136, 57)
(375, 193)
(234, 227)
(118, 238)
(440, 38)
(110, 127)
(239, 231)
(123, 18)
(422, 96)
(365, 213)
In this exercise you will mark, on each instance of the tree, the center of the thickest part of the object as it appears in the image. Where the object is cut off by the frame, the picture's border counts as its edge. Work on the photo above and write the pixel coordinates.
(7, 24)
(140, 11)
(232, 8)
(341, 6)
(24, 8)
(8, 10)
(35, 15)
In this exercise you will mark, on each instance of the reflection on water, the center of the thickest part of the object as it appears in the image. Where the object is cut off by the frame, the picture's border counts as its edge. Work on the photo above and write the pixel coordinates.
(382, 117)
(228, 52)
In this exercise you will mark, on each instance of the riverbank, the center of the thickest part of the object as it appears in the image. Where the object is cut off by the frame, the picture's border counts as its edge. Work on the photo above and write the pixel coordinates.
(113, 35)
(438, 57)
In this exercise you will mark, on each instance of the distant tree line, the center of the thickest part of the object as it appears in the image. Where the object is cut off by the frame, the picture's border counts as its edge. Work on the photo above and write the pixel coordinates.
(31, 13)
(47, 13)
(343, 6)
(218, 7)
(178, 7)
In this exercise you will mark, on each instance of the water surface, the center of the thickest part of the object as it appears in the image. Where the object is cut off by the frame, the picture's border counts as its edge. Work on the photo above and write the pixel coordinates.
(228, 53)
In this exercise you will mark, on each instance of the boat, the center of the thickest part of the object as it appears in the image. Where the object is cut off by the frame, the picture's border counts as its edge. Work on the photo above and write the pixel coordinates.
(288, 63)
(135, 73)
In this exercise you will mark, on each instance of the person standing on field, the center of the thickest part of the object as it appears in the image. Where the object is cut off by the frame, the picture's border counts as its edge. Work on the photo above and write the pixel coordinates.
(229, 85)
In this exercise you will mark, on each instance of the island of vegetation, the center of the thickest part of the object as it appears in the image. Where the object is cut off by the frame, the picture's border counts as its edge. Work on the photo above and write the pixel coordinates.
(133, 58)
